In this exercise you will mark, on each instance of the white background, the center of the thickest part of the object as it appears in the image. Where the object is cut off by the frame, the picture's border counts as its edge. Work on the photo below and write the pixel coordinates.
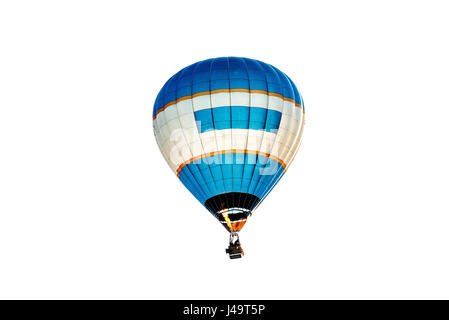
(89, 209)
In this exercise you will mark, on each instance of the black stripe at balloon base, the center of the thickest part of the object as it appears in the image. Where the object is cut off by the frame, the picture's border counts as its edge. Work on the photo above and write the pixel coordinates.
(232, 209)
(232, 200)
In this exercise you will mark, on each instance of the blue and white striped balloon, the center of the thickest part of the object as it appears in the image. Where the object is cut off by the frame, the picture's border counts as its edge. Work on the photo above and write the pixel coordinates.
(229, 128)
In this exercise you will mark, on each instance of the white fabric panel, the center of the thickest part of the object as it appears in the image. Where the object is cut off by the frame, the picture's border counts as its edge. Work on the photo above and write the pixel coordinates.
(286, 144)
(285, 124)
(168, 150)
(176, 144)
(177, 134)
(223, 138)
(275, 103)
(221, 99)
(158, 135)
(240, 144)
(174, 124)
(239, 138)
(192, 134)
(294, 149)
(188, 120)
(170, 113)
(183, 147)
(288, 108)
(201, 102)
(160, 131)
(288, 140)
(178, 156)
(240, 99)
(177, 151)
(259, 100)
(156, 129)
(164, 134)
(267, 142)
(209, 141)
(278, 144)
(197, 148)
(184, 107)
(254, 139)
(224, 99)
(159, 121)
(171, 135)
(297, 113)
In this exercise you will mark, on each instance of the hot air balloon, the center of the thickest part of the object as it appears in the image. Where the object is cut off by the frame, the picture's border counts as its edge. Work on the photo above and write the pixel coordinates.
(229, 128)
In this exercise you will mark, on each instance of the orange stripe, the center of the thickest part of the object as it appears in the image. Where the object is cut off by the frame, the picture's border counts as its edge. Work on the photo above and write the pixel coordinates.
(225, 90)
(210, 154)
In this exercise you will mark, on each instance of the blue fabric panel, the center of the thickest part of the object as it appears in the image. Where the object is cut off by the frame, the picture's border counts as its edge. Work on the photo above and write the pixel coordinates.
(287, 90)
(248, 171)
(266, 186)
(201, 76)
(273, 81)
(193, 186)
(217, 175)
(185, 80)
(298, 97)
(242, 118)
(222, 118)
(204, 120)
(257, 118)
(237, 170)
(209, 180)
(238, 74)
(226, 73)
(268, 176)
(231, 172)
(255, 177)
(219, 74)
(226, 168)
(256, 75)
(273, 121)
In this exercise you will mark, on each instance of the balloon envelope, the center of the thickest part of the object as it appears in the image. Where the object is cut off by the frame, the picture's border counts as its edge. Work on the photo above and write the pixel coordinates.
(229, 128)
